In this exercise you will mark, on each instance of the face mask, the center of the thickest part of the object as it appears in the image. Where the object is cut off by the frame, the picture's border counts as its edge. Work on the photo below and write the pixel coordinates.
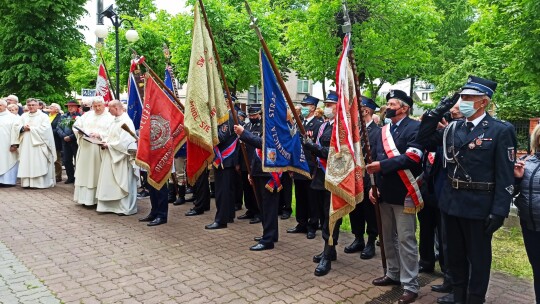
(254, 120)
(304, 111)
(328, 113)
(467, 108)
(390, 113)
(86, 109)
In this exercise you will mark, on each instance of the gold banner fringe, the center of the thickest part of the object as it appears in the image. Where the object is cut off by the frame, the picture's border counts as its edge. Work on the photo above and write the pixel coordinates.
(284, 169)
(334, 217)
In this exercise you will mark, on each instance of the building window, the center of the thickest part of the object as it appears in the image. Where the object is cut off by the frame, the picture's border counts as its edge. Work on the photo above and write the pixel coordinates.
(254, 95)
(303, 86)
(425, 96)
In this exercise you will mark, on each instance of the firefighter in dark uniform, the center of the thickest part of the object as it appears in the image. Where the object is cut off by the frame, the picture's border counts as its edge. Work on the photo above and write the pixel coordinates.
(224, 175)
(479, 154)
(254, 126)
(269, 199)
(320, 148)
(306, 212)
(363, 216)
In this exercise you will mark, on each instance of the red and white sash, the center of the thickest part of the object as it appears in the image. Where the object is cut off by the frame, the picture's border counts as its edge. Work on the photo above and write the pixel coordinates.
(406, 175)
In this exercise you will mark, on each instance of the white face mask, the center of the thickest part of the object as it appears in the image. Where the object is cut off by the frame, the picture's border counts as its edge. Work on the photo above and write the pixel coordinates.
(328, 113)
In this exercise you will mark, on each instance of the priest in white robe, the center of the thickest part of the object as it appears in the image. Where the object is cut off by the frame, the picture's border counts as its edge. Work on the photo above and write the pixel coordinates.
(117, 185)
(88, 160)
(9, 142)
(37, 152)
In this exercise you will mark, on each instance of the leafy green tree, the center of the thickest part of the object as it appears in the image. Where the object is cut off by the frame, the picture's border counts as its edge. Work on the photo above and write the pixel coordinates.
(36, 39)
(82, 70)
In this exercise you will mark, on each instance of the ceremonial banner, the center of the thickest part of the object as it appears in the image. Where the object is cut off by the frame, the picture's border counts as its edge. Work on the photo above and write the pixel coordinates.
(205, 104)
(102, 85)
(161, 134)
(281, 149)
(345, 163)
(134, 103)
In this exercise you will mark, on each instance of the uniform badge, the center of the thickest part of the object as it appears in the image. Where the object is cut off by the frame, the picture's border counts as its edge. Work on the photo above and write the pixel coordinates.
(484, 123)
(469, 80)
(511, 154)
(510, 189)
(472, 145)
(478, 141)
(392, 93)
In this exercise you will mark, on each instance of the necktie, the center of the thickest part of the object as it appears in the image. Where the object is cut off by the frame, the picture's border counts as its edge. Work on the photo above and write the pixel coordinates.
(470, 126)
(393, 129)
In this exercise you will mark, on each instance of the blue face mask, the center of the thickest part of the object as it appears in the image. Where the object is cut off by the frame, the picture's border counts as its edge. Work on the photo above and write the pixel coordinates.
(467, 108)
(304, 111)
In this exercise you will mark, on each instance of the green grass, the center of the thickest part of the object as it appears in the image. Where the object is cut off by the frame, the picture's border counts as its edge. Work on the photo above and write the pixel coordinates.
(509, 253)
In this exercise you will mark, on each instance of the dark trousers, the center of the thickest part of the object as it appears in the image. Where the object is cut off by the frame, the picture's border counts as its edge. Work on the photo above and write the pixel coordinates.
(238, 190)
(318, 201)
(159, 202)
(249, 197)
(302, 192)
(362, 215)
(285, 195)
(468, 248)
(532, 245)
(429, 218)
(224, 180)
(70, 152)
(201, 191)
(269, 210)
(326, 223)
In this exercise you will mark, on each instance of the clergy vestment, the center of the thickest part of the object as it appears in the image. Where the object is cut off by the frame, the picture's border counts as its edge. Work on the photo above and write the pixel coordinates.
(37, 152)
(117, 184)
(88, 160)
(9, 135)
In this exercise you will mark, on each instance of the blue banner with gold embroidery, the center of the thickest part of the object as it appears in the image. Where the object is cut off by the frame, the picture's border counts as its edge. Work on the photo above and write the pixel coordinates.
(282, 149)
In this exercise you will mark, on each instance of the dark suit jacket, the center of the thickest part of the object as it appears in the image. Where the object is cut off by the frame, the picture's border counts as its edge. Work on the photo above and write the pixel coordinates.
(57, 139)
(392, 189)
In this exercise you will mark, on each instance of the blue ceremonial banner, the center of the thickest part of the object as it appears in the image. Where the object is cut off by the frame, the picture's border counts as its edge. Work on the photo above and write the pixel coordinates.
(168, 82)
(281, 149)
(134, 104)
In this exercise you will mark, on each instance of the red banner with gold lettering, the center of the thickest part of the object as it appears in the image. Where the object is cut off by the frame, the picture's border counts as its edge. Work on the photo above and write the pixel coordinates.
(161, 134)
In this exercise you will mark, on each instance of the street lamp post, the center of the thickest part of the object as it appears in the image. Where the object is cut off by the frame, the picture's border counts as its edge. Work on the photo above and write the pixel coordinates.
(131, 36)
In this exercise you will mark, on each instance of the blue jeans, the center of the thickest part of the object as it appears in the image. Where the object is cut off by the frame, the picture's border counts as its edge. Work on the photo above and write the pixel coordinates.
(532, 245)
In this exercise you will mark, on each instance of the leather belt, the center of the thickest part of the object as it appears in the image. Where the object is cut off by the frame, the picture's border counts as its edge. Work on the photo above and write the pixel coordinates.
(460, 184)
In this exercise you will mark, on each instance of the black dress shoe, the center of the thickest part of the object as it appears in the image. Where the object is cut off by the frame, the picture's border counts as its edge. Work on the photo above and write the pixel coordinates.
(260, 247)
(157, 221)
(446, 299)
(368, 252)
(297, 229)
(407, 297)
(179, 201)
(143, 194)
(310, 235)
(323, 268)
(245, 216)
(356, 246)
(215, 225)
(445, 287)
(385, 281)
(255, 220)
(285, 215)
(69, 181)
(147, 218)
(193, 212)
(259, 238)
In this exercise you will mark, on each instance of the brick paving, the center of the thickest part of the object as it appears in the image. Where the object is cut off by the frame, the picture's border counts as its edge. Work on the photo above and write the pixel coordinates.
(76, 255)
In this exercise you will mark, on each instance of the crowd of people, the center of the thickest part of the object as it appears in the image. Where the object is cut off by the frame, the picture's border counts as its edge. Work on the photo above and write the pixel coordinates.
(454, 170)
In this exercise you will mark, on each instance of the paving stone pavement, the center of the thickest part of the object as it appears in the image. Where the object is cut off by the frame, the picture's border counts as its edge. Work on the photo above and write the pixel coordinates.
(80, 256)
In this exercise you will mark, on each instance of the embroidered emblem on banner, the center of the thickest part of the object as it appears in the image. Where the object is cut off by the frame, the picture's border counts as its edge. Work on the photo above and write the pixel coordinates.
(271, 156)
(160, 132)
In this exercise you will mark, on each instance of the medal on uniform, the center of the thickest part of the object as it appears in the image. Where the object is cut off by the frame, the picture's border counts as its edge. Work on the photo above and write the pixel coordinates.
(471, 145)
(478, 141)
